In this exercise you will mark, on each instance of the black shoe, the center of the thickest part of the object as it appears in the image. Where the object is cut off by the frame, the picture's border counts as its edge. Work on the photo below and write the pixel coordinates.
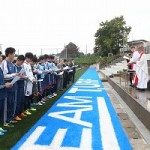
(140, 89)
(132, 85)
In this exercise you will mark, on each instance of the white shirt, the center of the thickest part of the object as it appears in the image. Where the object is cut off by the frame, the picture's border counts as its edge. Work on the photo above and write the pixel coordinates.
(28, 71)
(134, 59)
(28, 82)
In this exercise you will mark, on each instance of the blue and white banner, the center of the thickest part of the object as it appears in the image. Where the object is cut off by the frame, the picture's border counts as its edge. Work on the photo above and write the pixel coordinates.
(82, 119)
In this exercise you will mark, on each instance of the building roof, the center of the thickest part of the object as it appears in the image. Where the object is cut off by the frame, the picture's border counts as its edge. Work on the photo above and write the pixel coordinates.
(137, 41)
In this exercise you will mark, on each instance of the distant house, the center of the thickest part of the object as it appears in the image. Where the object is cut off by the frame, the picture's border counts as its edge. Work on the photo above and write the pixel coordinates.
(138, 43)
(147, 48)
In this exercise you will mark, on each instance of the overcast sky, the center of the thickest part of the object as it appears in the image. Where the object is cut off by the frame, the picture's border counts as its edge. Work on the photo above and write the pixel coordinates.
(30, 25)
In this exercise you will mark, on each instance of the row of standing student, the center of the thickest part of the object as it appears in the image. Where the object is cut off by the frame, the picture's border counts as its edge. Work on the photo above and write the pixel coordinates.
(38, 82)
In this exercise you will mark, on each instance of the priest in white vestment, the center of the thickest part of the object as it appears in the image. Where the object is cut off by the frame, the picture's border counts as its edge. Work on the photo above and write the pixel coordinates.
(134, 58)
(132, 63)
(141, 77)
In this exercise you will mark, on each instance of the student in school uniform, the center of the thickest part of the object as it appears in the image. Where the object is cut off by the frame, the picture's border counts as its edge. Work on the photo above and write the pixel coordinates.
(28, 83)
(48, 66)
(60, 76)
(41, 76)
(65, 77)
(9, 74)
(3, 95)
(20, 90)
(72, 65)
(46, 78)
(52, 65)
(35, 92)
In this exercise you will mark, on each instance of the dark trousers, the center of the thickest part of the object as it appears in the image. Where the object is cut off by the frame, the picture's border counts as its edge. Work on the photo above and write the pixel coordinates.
(65, 79)
(11, 105)
(27, 102)
(60, 82)
(55, 83)
(73, 76)
(131, 75)
(2, 103)
(40, 97)
(32, 99)
(131, 78)
(20, 101)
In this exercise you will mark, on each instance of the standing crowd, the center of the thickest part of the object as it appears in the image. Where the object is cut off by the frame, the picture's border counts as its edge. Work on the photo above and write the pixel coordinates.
(28, 81)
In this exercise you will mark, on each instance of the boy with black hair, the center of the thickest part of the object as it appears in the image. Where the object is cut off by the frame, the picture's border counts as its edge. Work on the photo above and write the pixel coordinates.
(3, 56)
(46, 57)
(9, 73)
(20, 89)
(3, 95)
(28, 83)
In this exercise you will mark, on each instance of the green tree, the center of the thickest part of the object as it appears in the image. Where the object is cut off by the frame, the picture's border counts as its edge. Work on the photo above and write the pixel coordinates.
(111, 36)
(70, 51)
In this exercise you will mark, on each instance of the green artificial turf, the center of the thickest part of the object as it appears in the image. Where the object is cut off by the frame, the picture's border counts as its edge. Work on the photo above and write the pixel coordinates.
(14, 134)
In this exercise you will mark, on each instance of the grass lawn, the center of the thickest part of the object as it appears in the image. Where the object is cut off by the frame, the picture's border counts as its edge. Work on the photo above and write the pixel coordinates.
(14, 134)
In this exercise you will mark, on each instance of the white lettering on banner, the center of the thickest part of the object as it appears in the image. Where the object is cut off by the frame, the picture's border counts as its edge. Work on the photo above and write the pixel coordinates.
(85, 144)
(88, 87)
(86, 84)
(75, 89)
(75, 119)
(87, 81)
(109, 140)
(80, 100)
(29, 143)
(77, 112)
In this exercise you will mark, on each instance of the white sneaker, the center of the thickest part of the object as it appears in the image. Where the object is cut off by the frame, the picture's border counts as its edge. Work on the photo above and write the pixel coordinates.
(40, 104)
(55, 94)
(50, 96)
(44, 99)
